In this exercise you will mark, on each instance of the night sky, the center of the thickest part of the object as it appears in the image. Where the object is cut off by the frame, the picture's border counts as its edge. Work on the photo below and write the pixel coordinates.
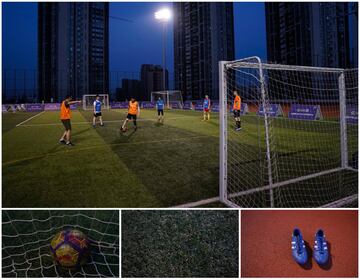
(131, 44)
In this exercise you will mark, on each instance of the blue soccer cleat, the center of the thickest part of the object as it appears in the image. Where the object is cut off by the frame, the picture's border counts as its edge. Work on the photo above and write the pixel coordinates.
(321, 252)
(298, 247)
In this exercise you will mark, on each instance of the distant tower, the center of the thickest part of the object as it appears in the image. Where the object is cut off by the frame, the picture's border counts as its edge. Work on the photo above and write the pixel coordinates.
(312, 34)
(203, 36)
(73, 49)
(152, 80)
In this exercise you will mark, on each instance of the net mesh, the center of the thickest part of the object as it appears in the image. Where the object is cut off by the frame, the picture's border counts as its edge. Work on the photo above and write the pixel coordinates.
(289, 154)
(26, 237)
(170, 97)
(88, 101)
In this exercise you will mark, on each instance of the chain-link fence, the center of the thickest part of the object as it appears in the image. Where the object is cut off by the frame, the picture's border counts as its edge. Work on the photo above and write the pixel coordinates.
(22, 85)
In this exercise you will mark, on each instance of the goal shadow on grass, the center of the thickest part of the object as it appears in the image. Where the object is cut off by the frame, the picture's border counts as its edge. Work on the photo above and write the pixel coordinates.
(174, 164)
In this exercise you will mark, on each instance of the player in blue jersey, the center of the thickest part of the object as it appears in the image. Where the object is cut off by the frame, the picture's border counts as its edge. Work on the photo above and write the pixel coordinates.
(206, 108)
(97, 111)
(160, 109)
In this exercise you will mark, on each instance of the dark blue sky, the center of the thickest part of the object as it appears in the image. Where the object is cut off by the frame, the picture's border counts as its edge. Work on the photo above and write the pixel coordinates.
(131, 44)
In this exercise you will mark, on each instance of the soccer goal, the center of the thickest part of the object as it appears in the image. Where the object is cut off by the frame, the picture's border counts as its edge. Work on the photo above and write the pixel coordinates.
(169, 97)
(26, 237)
(298, 145)
(88, 101)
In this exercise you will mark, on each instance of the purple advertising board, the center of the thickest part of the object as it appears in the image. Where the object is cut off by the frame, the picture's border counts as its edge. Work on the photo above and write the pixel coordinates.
(52, 106)
(188, 105)
(147, 105)
(352, 114)
(215, 107)
(274, 110)
(175, 105)
(305, 112)
(74, 106)
(119, 105)
(199, 106)
(36, 107)
(4, 108)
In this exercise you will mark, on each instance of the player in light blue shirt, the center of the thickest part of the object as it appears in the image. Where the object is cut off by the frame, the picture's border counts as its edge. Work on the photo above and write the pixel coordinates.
(160, 109)
(206, 108)
(97, 111)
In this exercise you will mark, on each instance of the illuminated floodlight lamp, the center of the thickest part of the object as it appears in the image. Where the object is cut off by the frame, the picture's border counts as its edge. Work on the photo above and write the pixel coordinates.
(163, 15)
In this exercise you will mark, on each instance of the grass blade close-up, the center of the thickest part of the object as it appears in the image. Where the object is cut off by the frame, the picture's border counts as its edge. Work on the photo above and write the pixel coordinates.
(193, 243)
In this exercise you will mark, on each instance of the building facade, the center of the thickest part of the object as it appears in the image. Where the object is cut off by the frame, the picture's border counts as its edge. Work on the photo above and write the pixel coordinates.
(73, 49)
(152, 80)
(310, 34)
(203, 36)
(130, 88)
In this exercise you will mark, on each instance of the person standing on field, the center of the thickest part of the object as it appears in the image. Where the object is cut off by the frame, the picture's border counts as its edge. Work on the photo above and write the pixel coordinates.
(133, 113)
(160, 110)
(236, 110)
(65, 117)
(97, 111)
(206, 108)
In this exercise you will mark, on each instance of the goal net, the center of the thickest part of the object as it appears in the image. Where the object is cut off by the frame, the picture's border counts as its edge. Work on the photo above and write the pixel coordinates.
(88, 101)
(26, 237)
(170, 97)
(298, 144)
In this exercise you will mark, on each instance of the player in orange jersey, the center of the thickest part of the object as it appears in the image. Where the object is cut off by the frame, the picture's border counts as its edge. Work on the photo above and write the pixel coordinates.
(65, 117)
(133, 113)
(236, 110)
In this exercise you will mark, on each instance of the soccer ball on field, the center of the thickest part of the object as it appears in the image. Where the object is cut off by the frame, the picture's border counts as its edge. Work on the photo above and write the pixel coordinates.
(70, 248)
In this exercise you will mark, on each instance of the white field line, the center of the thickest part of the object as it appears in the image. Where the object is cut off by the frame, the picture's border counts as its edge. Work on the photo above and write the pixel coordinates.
(83, 123)
(30, 118)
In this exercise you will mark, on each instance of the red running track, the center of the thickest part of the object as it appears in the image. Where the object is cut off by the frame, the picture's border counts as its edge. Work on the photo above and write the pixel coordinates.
(266, 242)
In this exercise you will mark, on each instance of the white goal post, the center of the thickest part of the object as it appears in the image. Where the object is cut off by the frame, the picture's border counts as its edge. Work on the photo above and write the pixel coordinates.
(88, 101)
(168, 96)
(305, 157)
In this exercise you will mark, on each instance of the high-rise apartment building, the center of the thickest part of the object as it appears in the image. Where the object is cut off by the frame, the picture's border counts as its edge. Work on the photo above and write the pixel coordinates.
(203, 36)
(311, 34)
(73, 49)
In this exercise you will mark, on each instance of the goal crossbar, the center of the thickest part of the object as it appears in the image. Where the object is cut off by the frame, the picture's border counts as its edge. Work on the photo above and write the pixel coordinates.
(254, 65)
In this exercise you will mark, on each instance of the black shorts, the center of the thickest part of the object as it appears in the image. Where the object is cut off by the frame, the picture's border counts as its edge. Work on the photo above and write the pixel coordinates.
(160, 112)
(97, 114)
(131, 116)
(66, 124)
(236, 113)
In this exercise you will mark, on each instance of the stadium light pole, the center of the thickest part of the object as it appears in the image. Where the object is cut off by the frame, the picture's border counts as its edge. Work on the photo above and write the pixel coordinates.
(163, 16)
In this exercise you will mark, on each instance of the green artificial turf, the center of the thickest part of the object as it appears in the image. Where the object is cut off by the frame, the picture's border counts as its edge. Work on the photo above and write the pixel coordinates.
(176, 243)
(170, 164)
(26, 237)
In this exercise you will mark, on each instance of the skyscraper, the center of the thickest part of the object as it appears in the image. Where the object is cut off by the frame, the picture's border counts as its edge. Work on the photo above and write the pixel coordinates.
(203, 36)
(73, 49)
(312, 34)
(152, 80)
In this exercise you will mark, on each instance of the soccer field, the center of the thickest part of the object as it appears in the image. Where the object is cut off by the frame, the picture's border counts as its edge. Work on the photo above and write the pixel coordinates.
(161, 165)
(156, 166)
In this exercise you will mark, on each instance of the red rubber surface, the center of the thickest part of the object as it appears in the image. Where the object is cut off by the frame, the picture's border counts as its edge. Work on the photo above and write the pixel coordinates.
(266, 242)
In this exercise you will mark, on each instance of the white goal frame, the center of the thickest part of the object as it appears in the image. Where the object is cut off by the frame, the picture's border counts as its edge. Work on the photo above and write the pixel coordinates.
(103, 97)
(167, 94)
(256, 63)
